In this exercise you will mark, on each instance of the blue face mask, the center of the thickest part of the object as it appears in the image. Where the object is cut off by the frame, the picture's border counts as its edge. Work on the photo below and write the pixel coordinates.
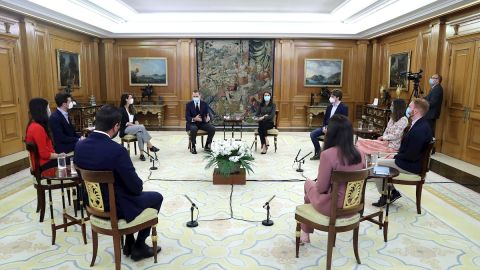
(431, 81)
(266, 98)
(196, 100)
(408, 112)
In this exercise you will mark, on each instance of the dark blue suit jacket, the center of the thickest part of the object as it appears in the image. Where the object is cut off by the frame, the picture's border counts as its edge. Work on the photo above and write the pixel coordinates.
(412, 146)
(341, 109)
(435, 99)
(99, 152)
(190, 112)
(64, 135)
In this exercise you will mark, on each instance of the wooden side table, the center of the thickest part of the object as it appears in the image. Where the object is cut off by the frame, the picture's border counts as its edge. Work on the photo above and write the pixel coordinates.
(392, 172)
(314, 110)
(61, 175)
(157, 109)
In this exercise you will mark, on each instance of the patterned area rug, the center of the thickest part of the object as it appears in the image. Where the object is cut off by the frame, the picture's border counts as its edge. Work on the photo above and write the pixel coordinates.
(442, 237)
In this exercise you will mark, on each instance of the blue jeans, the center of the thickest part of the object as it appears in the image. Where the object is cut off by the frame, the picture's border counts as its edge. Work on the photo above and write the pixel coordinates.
(314, 137)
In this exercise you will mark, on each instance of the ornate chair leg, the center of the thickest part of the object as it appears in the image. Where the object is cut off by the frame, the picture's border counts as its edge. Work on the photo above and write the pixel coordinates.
(94, 246)
(154, 243)
(275, 142)
(297, 240)
(355, 244)
(117, 251)
(331, 234)
(419, 198)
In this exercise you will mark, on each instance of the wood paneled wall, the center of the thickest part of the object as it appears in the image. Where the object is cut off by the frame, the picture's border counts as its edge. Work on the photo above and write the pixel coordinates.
(292, 96)
(40, 43)
(180, 54)
(430, 45)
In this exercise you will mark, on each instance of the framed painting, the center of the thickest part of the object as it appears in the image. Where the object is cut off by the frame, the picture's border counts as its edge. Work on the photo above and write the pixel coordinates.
(148, 70)
(68, 69)
(398, 66)
(323, 72)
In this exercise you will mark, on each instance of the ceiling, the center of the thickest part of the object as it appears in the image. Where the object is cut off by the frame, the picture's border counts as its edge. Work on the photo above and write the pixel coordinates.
(316, 6)
(348, 19)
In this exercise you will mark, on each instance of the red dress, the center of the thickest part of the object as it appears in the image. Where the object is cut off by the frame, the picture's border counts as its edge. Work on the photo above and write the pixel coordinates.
(318, 193)
(37, 134)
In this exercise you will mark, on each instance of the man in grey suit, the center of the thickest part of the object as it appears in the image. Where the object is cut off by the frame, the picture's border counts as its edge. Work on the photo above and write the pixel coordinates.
(434, 98)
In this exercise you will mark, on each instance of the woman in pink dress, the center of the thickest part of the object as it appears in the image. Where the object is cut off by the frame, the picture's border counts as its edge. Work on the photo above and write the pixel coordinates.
(392, 136)
(339, 153)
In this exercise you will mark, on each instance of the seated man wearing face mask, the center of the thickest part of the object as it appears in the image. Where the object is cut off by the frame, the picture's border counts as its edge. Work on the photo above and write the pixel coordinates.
(336, 107)
(98, 152)
(414, 142)
(63, 132)
(197, 115)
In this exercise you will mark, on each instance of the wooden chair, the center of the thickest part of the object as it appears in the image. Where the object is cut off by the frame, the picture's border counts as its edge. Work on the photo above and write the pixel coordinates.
(130, 138)
(416, 179)
(105, 221)
(41, 184)
(270, 133)
(200, 133)
(341, 219)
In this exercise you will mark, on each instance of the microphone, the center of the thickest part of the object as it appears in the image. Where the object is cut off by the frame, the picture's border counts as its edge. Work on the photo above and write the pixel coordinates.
(298, 154)
(269, 201)
(192, 223)
(193, 204)
(305, 156)
(268, 221)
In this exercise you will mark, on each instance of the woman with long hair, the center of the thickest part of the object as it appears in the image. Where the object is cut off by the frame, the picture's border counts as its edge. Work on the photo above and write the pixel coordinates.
(130, 125)
(339, 153)
(389, 142)
(39, 133)
(265, 116)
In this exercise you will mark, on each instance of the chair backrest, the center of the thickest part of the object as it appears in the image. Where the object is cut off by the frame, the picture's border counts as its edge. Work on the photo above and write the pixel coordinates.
(35, 158)
(93, 180)
(275, 124)
(353, 202)
(426, 158)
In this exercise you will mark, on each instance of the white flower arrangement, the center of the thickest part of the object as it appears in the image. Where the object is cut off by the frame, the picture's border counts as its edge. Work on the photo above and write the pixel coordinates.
(229, 156)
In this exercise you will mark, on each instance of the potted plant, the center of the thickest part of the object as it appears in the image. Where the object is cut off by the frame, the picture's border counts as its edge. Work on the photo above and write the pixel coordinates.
(231, 159)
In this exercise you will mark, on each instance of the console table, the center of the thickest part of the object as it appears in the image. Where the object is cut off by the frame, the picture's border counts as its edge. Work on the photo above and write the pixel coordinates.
(155, 109)
(312, 110)
(81, 115)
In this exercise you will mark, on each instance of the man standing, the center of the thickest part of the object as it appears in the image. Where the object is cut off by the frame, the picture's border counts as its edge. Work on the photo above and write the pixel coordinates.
(434, 98)
(336, 107)
(198, 117)
(64, 135)
(99, 152)
(413, 144)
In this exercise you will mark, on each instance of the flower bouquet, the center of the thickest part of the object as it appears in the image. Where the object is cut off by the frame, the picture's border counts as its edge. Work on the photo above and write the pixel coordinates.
(228, 156)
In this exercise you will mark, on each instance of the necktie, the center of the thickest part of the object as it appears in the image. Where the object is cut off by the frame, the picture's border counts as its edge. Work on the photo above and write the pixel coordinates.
(197, 108)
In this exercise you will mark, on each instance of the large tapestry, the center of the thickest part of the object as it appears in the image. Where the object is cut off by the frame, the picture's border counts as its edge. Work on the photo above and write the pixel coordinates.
(233, 74)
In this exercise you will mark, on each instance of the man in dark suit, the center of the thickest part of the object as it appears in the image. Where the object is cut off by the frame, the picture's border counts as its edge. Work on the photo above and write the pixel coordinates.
(336, 107)
(198, 117)
(434, 98)
(99, 152)
(414, 143)
(64, 135)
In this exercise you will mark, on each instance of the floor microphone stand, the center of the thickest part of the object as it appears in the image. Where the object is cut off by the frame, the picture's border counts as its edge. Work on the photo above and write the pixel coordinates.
(192, 223)
(302, 160)
(268, 221)
(152, 159)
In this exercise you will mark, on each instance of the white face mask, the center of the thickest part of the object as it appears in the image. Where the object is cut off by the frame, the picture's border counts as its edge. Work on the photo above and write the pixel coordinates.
(70, 105)
(332, 100)
(130, 101)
